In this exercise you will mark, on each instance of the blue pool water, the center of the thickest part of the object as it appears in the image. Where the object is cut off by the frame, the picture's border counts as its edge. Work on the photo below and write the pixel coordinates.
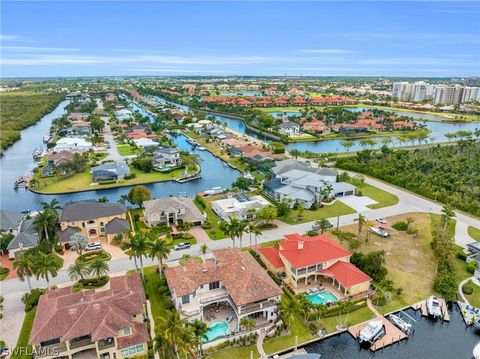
(322, 297)
(215, 330)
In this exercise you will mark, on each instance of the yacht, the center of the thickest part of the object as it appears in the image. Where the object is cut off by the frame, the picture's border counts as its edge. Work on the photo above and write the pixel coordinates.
(433, 307)
(200, 148)
(214, 191)
(372, 332)
(400, 323)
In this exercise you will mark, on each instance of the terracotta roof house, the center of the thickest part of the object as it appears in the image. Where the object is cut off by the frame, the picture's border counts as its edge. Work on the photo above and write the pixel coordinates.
(172, 211)
(92, 219)
(107, 323)
(230, 285)
(319, 259)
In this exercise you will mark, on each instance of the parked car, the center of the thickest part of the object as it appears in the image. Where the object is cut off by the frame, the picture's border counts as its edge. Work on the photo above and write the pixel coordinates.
(381, 220)
(182, 245)
(93, 246)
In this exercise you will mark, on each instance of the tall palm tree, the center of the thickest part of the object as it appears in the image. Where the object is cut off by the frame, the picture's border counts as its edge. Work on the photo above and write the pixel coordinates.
(204, 249)
(249, 230)
(52, 206)
(45, 265)
(362, 220)
(230, 228)
(323, 224)
(171, 328)
(257, 231)
(139, 245)
(158, 249)
(42, 222)
(161, 346)
(240, 230)
(78, 269)
(199, 329)
(288, 308)
(128, 247)
(25, 268)
(99, 267)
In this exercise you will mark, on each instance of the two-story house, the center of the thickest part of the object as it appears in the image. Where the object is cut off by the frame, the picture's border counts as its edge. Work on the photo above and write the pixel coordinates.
(319, 259)
(93, 219)
(172, 211)
(230, 286)
(241, 206)
(23, 230)
(106, 324)
(166, 156)
(289, 128)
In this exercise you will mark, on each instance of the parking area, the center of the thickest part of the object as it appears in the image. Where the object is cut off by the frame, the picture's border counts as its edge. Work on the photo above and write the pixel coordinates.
(359, 204)
(70, 256)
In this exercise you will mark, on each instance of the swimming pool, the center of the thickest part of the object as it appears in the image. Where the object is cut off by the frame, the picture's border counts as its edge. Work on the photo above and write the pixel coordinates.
(215, 330)
(322, 297)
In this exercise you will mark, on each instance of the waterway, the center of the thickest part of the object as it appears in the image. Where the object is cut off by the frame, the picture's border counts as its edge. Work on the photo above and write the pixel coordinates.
(18, 160)
(431, 340)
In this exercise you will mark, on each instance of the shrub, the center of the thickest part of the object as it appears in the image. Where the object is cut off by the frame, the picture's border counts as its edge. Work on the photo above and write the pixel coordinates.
(400, 226)
(4, 270)
(312, 233)
(187, 236)
(106, 182)
(168, 241)
(31, 299)
(90, 256)
(130, 176)
(313, 328)
(274, 277)
(462, 256)
(467, 288)
(379, 299)
(206, 225)
(471, 267)
(94, 282)
(257, 257)
(58, 248)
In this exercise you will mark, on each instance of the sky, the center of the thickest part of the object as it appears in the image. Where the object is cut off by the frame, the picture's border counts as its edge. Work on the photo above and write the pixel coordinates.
(132, 38)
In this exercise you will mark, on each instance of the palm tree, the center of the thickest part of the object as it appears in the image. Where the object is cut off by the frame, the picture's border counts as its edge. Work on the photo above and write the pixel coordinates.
(288, 308)
(160, 250)
(257, 231)
(230, 228)
(161, 346)
(45, 265)
(42, 222)
(25, 268)
(199, 329)
(242, 225)
(99, 267)
(78, 269)
(187, 226)
(362, 220)
(203, 250)
(247, 323)
(172, 328)
(52, 206)
(250, 228)
(323, 224)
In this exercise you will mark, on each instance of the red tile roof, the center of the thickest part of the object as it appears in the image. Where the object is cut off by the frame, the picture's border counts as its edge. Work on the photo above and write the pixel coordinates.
(271, 254)
(303, 251)
(346, 273)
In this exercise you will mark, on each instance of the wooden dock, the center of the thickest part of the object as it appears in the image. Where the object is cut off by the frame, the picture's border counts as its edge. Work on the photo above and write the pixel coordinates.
(392, 334)
(423, 307)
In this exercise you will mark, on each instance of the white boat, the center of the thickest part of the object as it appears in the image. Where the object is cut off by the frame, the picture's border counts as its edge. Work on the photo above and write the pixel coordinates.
(372, 332)
(433, 307)
(379, 232)
(46, 138)
(400, 323)
(476, 351)
(214, 191)
(200, 148)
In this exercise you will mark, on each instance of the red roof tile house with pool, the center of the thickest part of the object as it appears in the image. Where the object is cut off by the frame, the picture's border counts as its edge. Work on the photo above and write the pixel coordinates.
(313, 261)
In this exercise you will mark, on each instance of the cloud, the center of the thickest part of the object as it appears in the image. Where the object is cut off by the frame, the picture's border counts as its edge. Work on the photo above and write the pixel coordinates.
(177, 70)
(326, 51)
(5, 37)
(35, 49)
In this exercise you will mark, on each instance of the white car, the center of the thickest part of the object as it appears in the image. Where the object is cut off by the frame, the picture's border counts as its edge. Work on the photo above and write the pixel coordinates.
(182, 245)
(93, 246)
(381, 220)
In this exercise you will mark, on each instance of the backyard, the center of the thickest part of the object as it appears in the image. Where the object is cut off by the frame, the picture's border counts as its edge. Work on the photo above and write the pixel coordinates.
(329, 211)
(128, 150)
(383, 198)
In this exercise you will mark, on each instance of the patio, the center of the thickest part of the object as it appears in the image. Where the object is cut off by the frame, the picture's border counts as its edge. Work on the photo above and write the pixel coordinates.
(219, 313)
(326, 283)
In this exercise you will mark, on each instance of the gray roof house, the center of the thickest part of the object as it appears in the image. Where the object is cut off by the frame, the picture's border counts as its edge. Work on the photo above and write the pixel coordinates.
(117, 226)
(166, 156)
(66, 235)
(85, 210)
(172, 210)
(26, 238)
(10, 221)
(110, 171)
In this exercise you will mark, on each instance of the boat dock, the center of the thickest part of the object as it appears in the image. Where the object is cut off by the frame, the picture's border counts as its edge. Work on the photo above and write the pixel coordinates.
(392, 334)
(422, 305)
(188, 179)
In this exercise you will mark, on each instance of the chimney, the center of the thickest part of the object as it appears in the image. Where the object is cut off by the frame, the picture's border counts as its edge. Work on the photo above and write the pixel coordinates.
(300, 244)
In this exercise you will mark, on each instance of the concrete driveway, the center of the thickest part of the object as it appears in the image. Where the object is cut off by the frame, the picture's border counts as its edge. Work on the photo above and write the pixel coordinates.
(13, 315)
(358, 203)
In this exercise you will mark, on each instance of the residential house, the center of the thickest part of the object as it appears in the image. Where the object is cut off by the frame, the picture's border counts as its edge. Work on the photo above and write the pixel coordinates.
(104, 323)
(123, 114)
(78, 116)
(10, 221)
(230, 285)
(289, 128)
(72, 144)
(316, 126)
(55, 160)
(166, 156)
(145, 142)
(92, 219)
(110, 171)
(79, 129)
(241, 206)
(26, 237)
(172, 211)
(316, 260)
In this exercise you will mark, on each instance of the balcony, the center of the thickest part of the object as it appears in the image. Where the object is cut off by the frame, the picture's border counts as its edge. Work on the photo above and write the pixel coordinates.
(50, 350)
(106, 344)
(249, 308)
(80, 342)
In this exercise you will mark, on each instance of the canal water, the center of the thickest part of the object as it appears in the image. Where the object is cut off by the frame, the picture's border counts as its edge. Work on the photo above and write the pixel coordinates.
(17, 160)
(431, 340)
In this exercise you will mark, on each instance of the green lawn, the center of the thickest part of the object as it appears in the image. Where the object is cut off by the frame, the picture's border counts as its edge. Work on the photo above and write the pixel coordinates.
(215, 232)
(235, 353)
(474, 298)
(358, 316)
(4, 275)
(151, 290)
(383, 198)
(336, 209)
(270, 243)
(474, 233)
(128, 150)
(24, 336)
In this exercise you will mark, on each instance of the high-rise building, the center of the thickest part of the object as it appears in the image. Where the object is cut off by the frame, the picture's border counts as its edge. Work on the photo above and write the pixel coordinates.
(469, 94)
(418, 91)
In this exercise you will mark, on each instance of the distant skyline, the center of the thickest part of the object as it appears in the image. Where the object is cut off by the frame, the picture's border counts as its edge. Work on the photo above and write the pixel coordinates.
(417, 39)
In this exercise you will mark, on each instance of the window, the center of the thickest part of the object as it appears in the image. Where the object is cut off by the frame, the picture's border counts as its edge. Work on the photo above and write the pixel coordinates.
(214, 285)
(124, 352)
(320, 266)
(185, 299)
(139, 348)
(302, 271)
(127, 331)
(312, 269)
(131, 350)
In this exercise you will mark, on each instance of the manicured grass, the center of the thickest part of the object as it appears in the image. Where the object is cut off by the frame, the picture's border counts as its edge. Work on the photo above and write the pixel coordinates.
(270, 243)
(22, 343)
(90, 256)
(355, 317)
(474, 233)
(383, 198)
(128, 150)
(152, 282)
(336, 209)
(5, 274)
(297, 329)
(474, 298)
(436, 220)
(215, 232)
(235, 353)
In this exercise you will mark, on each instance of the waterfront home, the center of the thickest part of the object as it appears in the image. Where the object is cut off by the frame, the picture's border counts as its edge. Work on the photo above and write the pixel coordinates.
(23, 230)
(240, 206)
(145, 142)
(172, 211)
(110, 171)
(298, 183)
(123, 114)
(289, 128)
(78, 116)
(228, 287)
(166, 156)
(104, 323)
(92, 219)
(316, 126)
(56, 161)
(72, 144)
(317, 260)
(110, 97)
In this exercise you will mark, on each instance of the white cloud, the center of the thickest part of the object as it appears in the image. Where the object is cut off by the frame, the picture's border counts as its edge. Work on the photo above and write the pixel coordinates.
(326, 51)
(35, 49)
(5, 37)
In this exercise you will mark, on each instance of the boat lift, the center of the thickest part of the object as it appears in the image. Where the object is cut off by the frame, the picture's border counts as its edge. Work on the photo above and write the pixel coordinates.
(403, 321)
